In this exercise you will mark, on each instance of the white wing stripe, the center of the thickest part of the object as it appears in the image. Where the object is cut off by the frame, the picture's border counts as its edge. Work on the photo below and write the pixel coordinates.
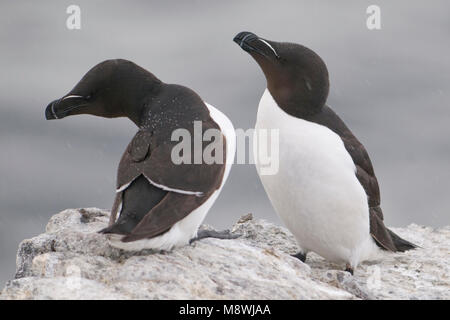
(195, 193)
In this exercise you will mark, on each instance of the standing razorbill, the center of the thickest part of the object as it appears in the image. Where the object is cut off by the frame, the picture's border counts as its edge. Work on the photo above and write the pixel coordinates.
(325, 190)
(160, 204)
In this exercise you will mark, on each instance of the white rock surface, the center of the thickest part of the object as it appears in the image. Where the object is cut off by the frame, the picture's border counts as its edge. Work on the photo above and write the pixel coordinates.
(71, 261)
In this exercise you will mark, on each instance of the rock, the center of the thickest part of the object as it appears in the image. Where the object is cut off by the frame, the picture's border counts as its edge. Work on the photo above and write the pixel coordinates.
(72, 261)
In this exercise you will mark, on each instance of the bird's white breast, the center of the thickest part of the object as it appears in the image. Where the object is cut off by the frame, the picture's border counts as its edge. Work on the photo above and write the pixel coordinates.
(315, 191)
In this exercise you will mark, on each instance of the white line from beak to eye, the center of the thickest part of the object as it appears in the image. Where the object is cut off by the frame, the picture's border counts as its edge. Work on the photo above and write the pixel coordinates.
(267, 44)
(72, 96)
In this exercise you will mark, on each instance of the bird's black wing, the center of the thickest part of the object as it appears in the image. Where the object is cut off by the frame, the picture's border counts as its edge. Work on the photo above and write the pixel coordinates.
(364, 167)
(157, 193)
(151, 156)
(365, 173)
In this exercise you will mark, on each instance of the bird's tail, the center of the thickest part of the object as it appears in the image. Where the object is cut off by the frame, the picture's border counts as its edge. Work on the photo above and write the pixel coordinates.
(401, 244)
(115, 228)
(385, 238)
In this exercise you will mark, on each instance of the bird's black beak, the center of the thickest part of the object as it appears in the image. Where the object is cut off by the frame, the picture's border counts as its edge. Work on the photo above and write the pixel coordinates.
(50, 112)
(63, 107)
(250, 42)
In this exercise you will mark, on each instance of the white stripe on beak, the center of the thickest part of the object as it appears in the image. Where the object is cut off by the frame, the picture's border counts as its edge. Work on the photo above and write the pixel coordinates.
(53, 111)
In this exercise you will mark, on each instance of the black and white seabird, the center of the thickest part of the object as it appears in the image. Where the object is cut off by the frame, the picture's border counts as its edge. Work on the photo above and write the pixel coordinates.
(325, 191)
(160, 204)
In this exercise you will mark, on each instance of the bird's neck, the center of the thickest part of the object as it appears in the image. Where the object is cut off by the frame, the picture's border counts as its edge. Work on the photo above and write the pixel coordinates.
(141, 109)
(136, 115)
(294, 102)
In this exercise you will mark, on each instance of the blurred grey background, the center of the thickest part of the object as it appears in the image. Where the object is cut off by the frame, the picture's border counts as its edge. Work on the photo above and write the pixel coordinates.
(391, 86)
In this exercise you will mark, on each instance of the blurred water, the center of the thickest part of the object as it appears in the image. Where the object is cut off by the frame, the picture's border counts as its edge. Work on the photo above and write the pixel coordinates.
(390, 86)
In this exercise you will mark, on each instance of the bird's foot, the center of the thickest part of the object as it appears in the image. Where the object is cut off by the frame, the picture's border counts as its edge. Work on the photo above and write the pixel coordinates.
(301, 256)
(226, 234)
(348, 268)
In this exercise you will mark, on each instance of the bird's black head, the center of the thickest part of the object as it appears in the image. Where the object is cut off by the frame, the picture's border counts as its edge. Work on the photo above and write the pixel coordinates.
(297, 77)
(113, 88)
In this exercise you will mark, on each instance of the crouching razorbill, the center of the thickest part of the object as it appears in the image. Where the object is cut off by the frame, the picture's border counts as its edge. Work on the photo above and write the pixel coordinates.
(161, 204)
(325, 191)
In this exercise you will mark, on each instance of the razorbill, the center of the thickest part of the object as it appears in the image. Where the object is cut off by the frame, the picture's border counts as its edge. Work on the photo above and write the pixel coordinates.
(161, 204)
(325, 190)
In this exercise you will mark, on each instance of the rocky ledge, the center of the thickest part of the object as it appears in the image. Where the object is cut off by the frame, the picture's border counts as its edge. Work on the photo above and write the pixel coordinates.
(71, 261)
